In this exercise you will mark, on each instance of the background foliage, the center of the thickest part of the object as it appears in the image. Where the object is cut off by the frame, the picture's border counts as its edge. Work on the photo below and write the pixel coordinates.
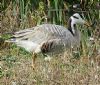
(27, 13)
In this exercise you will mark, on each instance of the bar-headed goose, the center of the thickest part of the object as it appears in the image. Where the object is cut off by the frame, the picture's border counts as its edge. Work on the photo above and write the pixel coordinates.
(48, 38)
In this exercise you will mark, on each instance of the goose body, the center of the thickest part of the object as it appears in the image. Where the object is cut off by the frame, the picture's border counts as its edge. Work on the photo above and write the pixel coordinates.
(34, 38)
(48, 38)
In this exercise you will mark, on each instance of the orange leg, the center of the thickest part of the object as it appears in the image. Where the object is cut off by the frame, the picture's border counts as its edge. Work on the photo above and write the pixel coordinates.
(34, 56)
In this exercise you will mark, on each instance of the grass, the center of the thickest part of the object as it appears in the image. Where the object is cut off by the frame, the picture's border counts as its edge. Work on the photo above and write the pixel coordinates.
(66, 69)
(60, 70)
(81, 68)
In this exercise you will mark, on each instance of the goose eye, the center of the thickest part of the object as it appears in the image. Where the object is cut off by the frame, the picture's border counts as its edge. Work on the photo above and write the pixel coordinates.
(75, 17)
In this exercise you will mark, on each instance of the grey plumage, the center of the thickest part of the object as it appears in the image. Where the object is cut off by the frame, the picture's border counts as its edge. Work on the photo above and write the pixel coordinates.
(49, 38)
(46, 37)
(41, 34)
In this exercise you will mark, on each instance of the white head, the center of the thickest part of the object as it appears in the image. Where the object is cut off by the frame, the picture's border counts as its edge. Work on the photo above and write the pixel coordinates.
(77, 19)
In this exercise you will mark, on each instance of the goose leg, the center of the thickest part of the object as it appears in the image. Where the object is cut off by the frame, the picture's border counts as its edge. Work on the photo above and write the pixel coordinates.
(34, 56)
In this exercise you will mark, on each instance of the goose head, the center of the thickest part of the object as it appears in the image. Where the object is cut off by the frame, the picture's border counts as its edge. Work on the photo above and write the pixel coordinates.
(77, 19)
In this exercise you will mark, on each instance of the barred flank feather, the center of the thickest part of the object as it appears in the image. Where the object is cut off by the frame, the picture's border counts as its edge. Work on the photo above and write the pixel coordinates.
(46, 47)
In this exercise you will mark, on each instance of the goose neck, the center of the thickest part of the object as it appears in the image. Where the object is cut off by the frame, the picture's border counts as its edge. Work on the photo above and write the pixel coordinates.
(71, 27)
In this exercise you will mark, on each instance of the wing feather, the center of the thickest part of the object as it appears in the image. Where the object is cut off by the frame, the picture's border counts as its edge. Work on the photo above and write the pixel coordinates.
(43, 33)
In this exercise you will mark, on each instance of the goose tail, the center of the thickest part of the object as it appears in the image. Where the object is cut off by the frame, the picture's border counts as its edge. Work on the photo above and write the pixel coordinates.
(20, 35)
